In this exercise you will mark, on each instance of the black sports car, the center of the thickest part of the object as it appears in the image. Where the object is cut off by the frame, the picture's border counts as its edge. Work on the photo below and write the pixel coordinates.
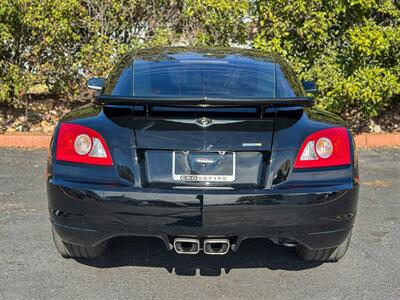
(202, 148)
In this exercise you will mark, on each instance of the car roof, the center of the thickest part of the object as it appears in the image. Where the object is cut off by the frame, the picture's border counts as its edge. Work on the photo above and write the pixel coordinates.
(240, 55)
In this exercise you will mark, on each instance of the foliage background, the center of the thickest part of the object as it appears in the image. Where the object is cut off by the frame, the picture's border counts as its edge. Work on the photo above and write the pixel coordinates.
(351, 48)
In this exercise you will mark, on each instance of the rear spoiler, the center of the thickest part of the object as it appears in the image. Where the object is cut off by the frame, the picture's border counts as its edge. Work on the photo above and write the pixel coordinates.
(275, 102)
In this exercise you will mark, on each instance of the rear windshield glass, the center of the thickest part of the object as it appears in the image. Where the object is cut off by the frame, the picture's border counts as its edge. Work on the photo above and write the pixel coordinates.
(217, 78)
(197, 75)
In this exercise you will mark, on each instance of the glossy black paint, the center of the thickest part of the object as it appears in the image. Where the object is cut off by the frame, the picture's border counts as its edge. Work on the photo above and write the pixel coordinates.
(95, 83)
(137, 196)
(309, 86)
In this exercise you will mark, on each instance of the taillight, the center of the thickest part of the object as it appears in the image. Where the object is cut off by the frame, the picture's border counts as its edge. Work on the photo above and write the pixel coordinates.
(80, 144)
(325, 148)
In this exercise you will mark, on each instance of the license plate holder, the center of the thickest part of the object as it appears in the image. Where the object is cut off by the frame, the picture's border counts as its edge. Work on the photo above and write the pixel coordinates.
(196, 166)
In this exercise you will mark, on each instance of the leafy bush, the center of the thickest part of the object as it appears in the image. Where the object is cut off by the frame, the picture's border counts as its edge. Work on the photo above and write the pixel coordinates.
(351, 48)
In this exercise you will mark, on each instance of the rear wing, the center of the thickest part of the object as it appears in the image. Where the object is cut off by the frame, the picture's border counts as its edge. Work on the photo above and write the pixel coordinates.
(273, 102)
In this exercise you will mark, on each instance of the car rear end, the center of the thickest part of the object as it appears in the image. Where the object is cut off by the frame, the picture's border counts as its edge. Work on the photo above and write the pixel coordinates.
(202, 161)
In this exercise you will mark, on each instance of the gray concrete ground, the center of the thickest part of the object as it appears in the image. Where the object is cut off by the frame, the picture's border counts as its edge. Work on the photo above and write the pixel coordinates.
(31, 268)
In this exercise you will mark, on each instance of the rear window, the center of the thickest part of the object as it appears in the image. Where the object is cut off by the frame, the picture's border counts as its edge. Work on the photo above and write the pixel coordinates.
(193, 75)
(217, 78)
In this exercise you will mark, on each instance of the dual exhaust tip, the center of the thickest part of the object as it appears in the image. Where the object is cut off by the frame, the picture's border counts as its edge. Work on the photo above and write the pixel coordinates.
(210, 246)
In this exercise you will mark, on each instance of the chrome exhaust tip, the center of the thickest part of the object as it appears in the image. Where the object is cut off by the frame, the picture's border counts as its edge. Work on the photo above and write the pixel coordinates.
(216, 246)
(186, 246)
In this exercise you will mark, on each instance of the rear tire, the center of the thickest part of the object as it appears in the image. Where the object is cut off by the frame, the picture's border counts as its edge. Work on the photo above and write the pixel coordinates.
(323, 255)
(68, 250)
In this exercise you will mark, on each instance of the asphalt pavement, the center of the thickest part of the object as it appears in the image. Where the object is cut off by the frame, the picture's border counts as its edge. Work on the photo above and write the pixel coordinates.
(31, 268)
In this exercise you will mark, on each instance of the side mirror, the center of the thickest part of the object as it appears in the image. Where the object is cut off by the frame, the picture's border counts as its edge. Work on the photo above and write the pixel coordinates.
(95, 83)
(309, 86)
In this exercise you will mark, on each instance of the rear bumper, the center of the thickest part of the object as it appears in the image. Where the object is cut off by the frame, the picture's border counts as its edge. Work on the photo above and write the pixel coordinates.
(87, 216)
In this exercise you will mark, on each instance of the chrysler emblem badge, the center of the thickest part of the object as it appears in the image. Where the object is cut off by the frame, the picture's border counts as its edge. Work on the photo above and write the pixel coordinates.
(204, 122)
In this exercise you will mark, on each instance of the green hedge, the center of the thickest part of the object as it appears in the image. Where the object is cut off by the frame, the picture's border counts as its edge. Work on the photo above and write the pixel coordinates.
(351, 48)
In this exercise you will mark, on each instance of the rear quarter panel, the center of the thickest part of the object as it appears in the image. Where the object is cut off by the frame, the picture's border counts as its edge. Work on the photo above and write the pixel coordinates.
(292, 127)
(116, 127)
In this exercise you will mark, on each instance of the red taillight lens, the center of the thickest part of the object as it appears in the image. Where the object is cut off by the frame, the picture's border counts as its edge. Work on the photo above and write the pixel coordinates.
(80, 144)
(325, 148)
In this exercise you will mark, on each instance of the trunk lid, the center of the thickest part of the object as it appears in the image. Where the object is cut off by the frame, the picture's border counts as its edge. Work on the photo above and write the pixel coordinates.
(204, 129)
(216, 133)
